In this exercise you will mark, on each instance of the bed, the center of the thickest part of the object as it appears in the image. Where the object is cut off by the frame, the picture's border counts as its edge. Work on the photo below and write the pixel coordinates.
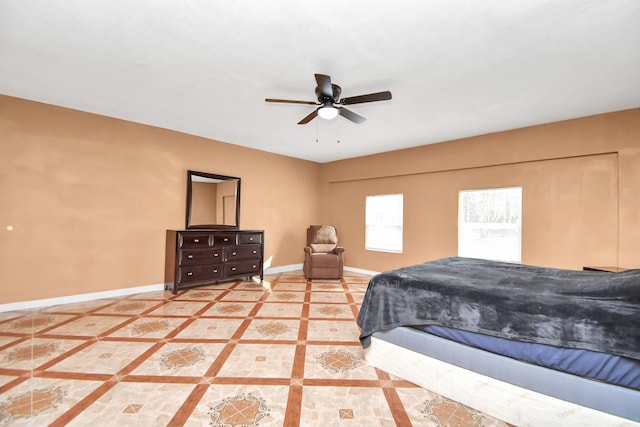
(532, 346)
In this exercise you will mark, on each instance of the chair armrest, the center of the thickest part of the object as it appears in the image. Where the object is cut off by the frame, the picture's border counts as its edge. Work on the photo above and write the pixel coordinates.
(338, 250)
(308, 250)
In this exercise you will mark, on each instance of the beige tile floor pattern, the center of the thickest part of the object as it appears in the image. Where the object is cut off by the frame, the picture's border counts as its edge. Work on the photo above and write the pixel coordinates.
(231, 354)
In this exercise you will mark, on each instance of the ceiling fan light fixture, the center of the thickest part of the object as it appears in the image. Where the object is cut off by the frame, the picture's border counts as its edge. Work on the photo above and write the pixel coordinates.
(328, 112)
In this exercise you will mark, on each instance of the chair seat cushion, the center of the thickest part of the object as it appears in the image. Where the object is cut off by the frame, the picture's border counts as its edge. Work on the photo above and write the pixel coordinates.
(324, 260)
(322, 247)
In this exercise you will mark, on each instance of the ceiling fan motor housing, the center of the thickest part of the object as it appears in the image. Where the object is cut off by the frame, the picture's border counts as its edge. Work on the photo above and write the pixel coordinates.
(337, 91)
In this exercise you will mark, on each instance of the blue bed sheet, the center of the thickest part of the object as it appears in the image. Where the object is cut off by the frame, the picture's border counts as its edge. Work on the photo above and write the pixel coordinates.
(612, 369)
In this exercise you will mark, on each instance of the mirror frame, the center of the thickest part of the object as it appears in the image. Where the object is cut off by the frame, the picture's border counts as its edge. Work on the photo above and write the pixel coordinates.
(190, 175)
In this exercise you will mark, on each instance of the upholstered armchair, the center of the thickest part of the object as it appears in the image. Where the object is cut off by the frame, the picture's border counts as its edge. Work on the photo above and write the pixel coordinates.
(323, 257)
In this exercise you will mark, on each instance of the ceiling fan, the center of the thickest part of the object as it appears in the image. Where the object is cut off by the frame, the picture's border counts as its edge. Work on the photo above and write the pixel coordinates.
(330, 103)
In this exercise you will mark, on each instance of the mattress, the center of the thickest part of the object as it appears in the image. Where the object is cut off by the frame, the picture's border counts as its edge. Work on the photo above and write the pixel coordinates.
(609, 368)
(546, 393)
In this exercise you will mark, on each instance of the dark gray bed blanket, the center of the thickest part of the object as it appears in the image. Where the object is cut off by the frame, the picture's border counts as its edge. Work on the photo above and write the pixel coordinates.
(577, 309)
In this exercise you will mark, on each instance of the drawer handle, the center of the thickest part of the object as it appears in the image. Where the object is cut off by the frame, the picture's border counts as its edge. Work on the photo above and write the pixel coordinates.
(215, 270)
(250, 238)
(253, 266)
(216, 254)
(189, 256)
(233, 269)
(234, 253)
(189, 274)
(255, 252)
(226, 239)
(196, 240)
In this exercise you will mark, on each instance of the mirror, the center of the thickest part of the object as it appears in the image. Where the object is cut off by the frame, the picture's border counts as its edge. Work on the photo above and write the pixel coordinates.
(213, 201)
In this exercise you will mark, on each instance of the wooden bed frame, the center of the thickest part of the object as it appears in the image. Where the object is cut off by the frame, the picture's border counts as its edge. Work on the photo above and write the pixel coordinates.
(519, 393)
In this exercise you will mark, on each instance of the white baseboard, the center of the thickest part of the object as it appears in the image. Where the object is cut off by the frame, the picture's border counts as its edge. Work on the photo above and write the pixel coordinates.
(283, 269)
(361, 271)
(48, 302)
(294, 267)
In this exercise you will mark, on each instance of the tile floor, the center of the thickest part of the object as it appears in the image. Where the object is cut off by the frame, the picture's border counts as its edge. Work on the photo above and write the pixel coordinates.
(232, 354)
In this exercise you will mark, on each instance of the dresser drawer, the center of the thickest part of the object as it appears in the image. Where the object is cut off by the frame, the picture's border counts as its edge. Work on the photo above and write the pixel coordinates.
(200, 273)
(242, 252)
(199, 256)
(225, 239)
(194, 240)
(238, 268)
(248, 238)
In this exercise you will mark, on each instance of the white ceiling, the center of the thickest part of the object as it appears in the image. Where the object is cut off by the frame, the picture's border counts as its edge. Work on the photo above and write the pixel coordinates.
(456, 68)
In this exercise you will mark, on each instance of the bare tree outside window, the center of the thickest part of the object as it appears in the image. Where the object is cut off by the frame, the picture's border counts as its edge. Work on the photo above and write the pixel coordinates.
(490, 224)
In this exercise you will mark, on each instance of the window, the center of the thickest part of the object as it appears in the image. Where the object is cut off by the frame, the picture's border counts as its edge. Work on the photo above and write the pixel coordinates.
(383, 223)
(490, 223)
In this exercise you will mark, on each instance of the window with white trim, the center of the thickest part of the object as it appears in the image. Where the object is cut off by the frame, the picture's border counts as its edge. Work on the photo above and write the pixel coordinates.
(490, 224)
(383, 223)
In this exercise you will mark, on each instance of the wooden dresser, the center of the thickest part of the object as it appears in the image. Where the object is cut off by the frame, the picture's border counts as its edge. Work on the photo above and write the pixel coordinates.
(197, 257)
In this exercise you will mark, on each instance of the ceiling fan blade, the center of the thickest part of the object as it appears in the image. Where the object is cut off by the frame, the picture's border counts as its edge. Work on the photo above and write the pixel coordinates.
(324, 84)
(350, 115)
(289, 101)
(310, 117)
(371, 97)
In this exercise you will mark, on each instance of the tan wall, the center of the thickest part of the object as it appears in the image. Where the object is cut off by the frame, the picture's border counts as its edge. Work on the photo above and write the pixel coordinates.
(581, 192)
(90, 198)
